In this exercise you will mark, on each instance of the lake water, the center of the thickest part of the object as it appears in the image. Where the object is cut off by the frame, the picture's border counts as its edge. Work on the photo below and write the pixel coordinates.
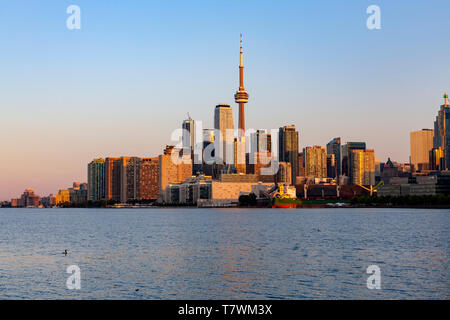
(224, 253)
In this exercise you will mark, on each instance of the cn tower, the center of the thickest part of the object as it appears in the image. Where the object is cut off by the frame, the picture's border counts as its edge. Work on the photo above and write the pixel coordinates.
(241, 96)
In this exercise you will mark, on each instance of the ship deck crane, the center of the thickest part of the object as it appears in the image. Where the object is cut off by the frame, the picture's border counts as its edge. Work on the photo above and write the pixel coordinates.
(372, 188)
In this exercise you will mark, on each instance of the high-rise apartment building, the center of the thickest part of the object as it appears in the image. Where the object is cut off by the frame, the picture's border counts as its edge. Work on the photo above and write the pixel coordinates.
(113, 169)
(96, 180)
(334, 147)
(149, 171)
(130, 174)
(173, 168)
(363, 167)
(442, 133)
(315, 159)
(288, 149)
(421, 143)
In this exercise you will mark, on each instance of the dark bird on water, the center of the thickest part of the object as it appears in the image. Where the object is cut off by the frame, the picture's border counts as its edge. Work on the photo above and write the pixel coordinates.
(65, 252)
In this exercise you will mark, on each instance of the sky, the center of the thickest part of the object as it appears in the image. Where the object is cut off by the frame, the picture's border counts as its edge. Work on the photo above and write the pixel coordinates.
(120, 84)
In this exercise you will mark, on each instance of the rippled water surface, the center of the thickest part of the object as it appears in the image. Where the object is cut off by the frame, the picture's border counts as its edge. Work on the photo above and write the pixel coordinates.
(224, 253)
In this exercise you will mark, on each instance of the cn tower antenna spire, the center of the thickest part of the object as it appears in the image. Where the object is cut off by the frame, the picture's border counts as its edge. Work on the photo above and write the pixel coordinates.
(242, 59)
(241, 96)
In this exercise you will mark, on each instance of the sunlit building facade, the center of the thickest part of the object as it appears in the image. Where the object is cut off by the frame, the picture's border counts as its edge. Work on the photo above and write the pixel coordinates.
(363, 167)
(315, 159)
(149, 170)
(441, 137)
(421, 143)
(223, 122)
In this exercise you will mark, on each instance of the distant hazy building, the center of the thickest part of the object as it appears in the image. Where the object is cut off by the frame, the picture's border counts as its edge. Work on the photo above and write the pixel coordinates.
(28, 199)
(334, 147)
(223, 121)
(346, 157)
(315, 159)
(377, 169)
(442, 133)
(288, 149)
(421, 142)
(63, 196)
(389, 170)
(49, 201)
(363, 167)
(78, 193)
(96, 180)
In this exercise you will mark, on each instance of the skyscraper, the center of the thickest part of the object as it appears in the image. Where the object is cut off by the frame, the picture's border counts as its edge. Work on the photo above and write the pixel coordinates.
(331, 166)
(96, 180)
(363, 167)
(347, 157)
(334, 147)
(288, 149)
(260, 141)
(240, 161)
(223, 122)
(188, 127)
(421, 142)
(315, 159)
(241, 96)
(442, 133)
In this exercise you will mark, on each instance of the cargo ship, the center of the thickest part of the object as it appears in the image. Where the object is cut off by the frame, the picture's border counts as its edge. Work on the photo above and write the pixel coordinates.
(286, 203)
(285, 197)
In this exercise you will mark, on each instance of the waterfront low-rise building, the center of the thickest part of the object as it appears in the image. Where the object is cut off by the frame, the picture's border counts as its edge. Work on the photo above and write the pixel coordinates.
(417, 186)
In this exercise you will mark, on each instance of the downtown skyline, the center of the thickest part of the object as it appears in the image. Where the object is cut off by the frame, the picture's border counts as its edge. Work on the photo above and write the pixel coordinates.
(76, 119)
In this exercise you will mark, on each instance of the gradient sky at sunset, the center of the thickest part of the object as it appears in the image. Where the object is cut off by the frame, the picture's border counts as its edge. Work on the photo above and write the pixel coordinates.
(122, 83)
